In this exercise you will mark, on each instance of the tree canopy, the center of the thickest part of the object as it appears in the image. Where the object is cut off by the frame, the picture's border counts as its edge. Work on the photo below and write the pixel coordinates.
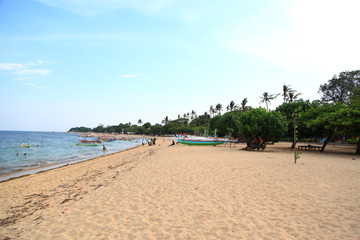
(339, 88)
(258, 122)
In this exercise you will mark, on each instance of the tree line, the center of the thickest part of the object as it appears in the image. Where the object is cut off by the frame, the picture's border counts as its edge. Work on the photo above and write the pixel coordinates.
(336, 115)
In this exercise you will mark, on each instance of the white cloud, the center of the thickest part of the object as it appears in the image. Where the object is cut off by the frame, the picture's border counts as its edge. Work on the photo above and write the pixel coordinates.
(25, 69)
(33, 72)
(25, 73)
(21, 79)
(136, 75)
(10, 66)
(95, 7)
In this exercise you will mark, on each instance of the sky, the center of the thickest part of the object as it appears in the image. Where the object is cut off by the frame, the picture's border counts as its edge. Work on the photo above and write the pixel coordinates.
(72, 63)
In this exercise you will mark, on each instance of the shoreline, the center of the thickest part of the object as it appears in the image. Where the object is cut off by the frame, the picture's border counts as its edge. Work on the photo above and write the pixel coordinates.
(45, 167)
(182, 192)
(36, 170)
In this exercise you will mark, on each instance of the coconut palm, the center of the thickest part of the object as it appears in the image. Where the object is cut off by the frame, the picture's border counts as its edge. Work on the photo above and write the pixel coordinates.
(212, 110)
(293, 96)
(193, 114)
(140, 121)
(267, 97)
(286, 91)
(243, 105)
(166, 120)
(218, 108)
(232, 106)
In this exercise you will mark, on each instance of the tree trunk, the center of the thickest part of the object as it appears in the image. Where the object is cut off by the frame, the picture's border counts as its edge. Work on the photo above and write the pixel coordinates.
(358, 147)
(326, 142)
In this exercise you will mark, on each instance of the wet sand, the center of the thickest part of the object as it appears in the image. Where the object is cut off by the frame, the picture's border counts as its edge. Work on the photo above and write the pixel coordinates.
(189, 192)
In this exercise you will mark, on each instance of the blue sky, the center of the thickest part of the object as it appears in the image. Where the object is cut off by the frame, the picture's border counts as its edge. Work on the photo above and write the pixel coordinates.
(67, 63)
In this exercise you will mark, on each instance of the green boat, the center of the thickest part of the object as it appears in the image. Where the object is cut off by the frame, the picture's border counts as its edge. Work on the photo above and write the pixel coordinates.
(202, 141)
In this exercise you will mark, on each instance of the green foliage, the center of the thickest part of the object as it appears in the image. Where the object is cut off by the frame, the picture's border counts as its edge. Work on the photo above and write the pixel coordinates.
(80, 129)
(258, 122)
(147, 125)
(339, 88)
(287, 110)
(352, 141)
(99, 129)
(226, 121)
(202, 120)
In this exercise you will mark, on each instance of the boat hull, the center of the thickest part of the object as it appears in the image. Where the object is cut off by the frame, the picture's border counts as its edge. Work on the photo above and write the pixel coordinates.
(201, 142)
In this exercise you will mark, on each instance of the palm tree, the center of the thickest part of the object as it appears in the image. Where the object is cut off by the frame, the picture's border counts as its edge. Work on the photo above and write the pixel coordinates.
(232, 106)
(218, 108)
(266, 98)
(286, 91)
(212, 110)
(193, 114)
(293, 96)
(166, 120)
(243, 105)
(140, 121)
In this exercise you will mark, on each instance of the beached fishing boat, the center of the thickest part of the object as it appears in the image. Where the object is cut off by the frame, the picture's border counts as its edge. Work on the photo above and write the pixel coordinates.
(91, 141)
(202, 141)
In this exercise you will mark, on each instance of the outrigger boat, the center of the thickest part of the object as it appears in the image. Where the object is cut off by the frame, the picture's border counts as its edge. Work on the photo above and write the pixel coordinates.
(202, 141)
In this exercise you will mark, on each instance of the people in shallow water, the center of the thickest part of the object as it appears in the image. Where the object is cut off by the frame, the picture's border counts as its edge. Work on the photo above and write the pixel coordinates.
(104, 148)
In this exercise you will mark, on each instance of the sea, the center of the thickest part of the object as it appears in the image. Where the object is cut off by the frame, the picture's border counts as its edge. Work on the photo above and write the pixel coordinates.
(23, 152)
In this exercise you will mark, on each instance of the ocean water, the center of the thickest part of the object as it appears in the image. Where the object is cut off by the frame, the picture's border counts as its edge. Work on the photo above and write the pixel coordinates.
(48, 150)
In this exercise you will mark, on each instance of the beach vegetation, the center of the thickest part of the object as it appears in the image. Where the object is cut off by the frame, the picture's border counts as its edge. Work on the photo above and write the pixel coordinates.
(80, 129)
(287, 109)
(218, 108)
(340, 88)
(225, 122)
(336, 115)
(202, 120)
(244, 107)
(271, 126)
(99, 128)
(267, 98)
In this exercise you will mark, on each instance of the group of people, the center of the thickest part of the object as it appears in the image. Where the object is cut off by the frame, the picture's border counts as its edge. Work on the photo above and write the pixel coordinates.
(152, 141)
(256, 143)
(17, 154)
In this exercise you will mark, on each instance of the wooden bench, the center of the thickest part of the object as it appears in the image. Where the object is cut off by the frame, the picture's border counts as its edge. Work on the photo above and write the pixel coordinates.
(315, 147)
(303, 146)
(310, 147)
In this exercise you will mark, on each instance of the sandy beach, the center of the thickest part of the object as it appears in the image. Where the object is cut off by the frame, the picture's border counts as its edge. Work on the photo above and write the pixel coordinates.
(189, 192)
